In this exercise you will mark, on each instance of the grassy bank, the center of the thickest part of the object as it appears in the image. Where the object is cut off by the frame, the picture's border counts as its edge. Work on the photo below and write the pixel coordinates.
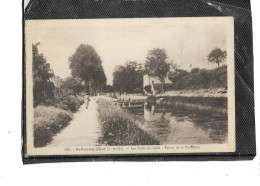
(200, 79)
(207, 103)
(118, 127)
(48, 121)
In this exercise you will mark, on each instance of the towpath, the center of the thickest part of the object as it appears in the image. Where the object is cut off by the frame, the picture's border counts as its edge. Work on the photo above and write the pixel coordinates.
(83, 129)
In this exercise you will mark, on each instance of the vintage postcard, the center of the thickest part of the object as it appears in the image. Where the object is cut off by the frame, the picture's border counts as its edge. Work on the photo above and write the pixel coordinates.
(130, 86)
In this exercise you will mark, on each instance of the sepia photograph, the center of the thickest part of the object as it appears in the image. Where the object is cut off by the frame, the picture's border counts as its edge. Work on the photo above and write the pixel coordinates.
(130, 86)
(130, 92)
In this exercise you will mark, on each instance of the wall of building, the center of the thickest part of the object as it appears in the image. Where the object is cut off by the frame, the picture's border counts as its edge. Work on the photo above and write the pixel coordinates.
(147, 80)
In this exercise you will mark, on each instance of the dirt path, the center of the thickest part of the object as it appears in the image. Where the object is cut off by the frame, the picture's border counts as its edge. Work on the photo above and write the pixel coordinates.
(83, 130)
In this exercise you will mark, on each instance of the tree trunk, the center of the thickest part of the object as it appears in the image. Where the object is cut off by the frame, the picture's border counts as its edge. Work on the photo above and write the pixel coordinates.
(218, 62)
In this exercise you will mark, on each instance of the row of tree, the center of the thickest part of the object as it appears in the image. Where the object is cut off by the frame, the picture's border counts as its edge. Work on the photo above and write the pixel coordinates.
(88, 73)
(86, 69)
(129, 77)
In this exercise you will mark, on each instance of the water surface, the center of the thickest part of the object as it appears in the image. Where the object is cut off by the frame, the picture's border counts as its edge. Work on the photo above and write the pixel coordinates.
(182, 125)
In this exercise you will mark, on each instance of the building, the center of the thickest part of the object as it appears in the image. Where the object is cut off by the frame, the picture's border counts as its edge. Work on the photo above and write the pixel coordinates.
(154, 82)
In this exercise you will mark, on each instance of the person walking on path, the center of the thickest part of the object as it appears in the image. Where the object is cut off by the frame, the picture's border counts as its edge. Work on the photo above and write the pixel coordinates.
(87, 101)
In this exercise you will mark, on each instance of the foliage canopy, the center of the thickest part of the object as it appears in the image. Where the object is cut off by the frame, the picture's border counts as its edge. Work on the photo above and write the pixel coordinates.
(43, 87)
(217, 56)
(86, 65)
(128, 77)
(157, 65)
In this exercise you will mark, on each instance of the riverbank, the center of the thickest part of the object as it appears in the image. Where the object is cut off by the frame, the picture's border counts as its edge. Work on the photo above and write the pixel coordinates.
(118, 127)
(214, 100)
(197, 89)
(218, 104)
(219, 92)
(199, 79)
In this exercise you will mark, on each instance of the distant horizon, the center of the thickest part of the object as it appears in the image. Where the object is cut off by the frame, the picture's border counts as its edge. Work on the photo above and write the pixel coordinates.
(120, 42)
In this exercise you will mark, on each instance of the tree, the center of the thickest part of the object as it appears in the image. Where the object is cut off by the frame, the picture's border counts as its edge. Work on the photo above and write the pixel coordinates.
(108, 89)
(128, 77)
(177, 74)
(99, 80)
(72, 84)
(43, 87)
(86, 65)
(217, 56)
(157, 65)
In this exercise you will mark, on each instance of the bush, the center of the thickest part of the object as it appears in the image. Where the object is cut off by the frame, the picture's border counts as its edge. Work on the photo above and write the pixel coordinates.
(195, 70)
(73, 103)
(113, 95)
(69, 102)
(177, 74)
(47, 122)
(137, 91)
(201, 79)
(119, 128)
(148, 88)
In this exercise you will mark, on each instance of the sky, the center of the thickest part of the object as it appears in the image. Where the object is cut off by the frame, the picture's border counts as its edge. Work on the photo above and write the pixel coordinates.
(118, 41)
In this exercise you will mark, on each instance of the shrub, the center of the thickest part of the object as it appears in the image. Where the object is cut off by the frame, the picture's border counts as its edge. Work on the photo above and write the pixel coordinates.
(148, 88)
(113, 95)
(73, 103)
(47, 122)
(137, 91)
(69, 102)
(195, 70)
(177, 74)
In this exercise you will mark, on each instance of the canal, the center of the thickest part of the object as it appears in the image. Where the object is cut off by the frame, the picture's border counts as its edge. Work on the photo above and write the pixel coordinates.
(182, 125)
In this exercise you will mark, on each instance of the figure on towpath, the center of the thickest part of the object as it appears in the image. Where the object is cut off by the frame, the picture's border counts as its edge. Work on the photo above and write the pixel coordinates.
(87, 101)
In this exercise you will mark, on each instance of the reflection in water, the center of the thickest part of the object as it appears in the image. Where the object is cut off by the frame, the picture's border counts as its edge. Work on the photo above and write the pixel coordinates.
(182, 125)
(150, 114)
